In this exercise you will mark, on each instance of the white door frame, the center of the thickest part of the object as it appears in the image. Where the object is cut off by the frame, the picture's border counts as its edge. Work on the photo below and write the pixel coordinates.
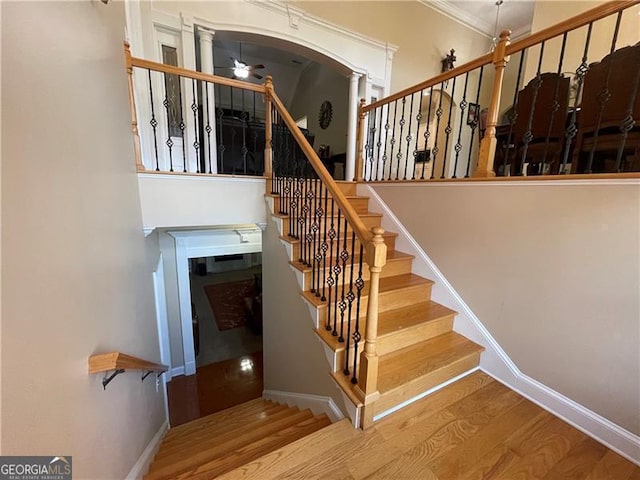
(160, 298)
(206, 243)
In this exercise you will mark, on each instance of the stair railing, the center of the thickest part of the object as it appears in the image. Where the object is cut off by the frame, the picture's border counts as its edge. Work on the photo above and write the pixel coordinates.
(334, 242)
(535, 113)
(193, 122)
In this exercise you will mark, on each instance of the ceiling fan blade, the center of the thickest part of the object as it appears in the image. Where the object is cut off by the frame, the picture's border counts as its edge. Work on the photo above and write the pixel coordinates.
(256, 75)
(221, 68)
(256, 67)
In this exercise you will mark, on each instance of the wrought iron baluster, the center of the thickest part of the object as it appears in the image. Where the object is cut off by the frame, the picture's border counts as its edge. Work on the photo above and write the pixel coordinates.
(427, 133)
(555, 105)
(330, 281)
(386, 142)
(208, 128)
(447, 129)
(315, 229)
(324, 246)
(379, 142)
(356, 331)
(628, 122)
(603, 97)
(368, 148)
(153, 122)
(512, 120)
(463, 107)
(220, 140)
(344, 256)
(436, 149)
(392, 142)
(409, 139)
(528, 136)
(474, 124)
(166, 104)
(581, 71)
(303, 218)
(182, 127)
(311, 213)
(415, 148)
(194, 109)
(350, 298)
(336, 271)
(402, 124)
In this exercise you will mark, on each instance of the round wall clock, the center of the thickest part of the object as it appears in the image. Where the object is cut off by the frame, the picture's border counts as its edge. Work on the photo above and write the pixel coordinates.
(325, 115)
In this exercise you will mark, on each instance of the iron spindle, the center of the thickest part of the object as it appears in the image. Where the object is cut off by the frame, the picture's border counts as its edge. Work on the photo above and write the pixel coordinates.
(402, 123)
(368, 148)
(336, 271)
(512, 119)
(315, 228)
(427, 133)
(628, 122)
(344, 256)
(603, 97)
(208, 127)
(166, 104)
(182, 127)
(463, 106)
(153, 122)
(311, 195)
(528, 136)
(581, 71)
(415, 148)
(474, 124)
(194, 109)
(386, 138)
(447, 129)
(435, 146)
(356, 331)
(379, 142)
(393, 138)
(324, 246)
(350, 298)
(555, 106)
(244, 118)
(330, 281)
(409, 138)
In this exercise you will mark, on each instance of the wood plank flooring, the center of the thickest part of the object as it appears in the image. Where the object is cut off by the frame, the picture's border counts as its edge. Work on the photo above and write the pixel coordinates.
(215, 387)
(475, 428)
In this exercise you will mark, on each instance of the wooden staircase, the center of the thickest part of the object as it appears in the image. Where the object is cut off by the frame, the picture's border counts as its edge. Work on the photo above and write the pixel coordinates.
(218, 443)
(416, 343)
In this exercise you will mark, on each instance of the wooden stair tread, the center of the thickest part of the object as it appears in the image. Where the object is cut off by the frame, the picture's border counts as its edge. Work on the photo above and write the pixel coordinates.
(195, 453)
(255, 405)
(203, 431)
(334, 343)
(387, 284)
(344, 383)
(411, 316)
(402, 366)
(256, 449)
(392, 256)
(277, 462)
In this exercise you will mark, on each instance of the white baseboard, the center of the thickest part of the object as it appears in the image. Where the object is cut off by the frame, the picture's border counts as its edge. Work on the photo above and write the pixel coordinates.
(316, 403)
(141, 467)
(177, 371)
(494, 360)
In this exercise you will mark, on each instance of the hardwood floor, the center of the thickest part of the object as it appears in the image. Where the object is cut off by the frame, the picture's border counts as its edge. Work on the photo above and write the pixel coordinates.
(475, 428)
(215, 387)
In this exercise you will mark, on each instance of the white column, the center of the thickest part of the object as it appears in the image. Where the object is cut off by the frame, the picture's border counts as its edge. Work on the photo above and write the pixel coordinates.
(209, 103)
(352, 124)
(189, 62)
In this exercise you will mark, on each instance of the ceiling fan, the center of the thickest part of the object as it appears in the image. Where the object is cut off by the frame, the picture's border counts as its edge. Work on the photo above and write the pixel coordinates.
(241, 70)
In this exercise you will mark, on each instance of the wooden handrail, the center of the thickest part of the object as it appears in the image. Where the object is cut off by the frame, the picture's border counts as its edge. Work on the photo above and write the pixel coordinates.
(364, 235)
(206, 77)
(467, 67)
(104, 362)
(597, 13)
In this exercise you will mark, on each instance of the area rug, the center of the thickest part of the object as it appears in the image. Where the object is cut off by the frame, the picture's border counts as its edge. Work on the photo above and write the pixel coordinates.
(227, 302)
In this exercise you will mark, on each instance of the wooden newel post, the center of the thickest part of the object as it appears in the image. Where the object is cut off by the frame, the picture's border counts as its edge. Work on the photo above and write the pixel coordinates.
(489, 142)
(367, 388)
(132, 105)
(360, 141)
(268, 132)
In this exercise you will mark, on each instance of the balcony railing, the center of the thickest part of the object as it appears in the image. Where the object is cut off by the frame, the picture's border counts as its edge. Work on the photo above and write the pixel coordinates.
(565, 100)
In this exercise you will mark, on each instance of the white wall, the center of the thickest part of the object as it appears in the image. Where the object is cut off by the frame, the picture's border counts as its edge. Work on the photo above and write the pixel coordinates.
(552, 269)
(76, 276)
(294, 359)
(316, 85)
(191, 201)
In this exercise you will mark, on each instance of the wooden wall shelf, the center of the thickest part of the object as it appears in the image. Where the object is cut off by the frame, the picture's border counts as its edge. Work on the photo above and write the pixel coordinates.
(118, 363)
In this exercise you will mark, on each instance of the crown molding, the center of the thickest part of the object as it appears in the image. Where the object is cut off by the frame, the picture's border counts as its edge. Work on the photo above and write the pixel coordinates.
(459, 15)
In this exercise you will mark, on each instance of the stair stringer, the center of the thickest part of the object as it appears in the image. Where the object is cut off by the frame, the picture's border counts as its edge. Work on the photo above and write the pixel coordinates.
(352, 410)
(494, 360)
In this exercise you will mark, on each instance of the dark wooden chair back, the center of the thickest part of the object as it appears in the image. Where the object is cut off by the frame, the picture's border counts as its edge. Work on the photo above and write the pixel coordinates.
(554, 88)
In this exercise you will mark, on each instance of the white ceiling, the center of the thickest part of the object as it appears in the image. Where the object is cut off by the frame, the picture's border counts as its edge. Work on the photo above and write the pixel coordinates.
(516, 15)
